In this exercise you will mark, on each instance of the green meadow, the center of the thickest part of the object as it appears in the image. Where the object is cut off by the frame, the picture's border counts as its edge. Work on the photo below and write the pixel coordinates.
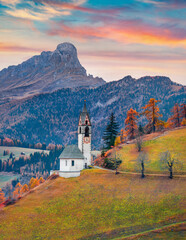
(174, 141)
(4, 179)
(96, 205)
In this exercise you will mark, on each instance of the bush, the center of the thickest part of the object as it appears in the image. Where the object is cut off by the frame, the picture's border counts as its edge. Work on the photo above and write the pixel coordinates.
(111, 164)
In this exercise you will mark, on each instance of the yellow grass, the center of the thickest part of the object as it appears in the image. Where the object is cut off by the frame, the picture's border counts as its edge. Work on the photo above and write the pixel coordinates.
(96, 202)
(174, 141)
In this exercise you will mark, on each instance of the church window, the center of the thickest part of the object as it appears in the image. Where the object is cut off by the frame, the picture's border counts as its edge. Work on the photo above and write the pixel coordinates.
(87, 131)
(80, 130)
(86, 122)
(72, 162)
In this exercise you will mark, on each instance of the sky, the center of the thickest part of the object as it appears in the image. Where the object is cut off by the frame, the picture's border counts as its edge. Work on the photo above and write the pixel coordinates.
(113, 38)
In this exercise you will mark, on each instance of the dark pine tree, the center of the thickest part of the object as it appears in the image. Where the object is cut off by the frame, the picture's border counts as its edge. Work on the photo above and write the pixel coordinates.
(110, 132)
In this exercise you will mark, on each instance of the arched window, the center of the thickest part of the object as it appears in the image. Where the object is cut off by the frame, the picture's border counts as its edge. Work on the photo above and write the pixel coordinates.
(80, 130)
(87, 131)
(86, 122)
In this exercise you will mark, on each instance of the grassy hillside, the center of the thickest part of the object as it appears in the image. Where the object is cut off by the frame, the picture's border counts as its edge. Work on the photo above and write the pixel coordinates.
(174, 141)
(17, 151)
(4, 179)
(96, 205)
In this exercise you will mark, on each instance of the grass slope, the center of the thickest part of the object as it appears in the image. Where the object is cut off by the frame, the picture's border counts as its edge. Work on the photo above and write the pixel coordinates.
(17, 151)
(174, 141)
(4, 179)
(96, 205)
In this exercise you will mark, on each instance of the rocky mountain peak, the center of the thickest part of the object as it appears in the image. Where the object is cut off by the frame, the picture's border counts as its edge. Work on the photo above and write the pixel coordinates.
(68, 48)
(46, 72)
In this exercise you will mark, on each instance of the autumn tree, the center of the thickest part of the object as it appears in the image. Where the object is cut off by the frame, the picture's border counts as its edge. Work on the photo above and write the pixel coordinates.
(41, 180)
(130, 122)
(183, 114)
(33, 183)
(175, 119)
(117, 141)
(169, 161)
(151, 111)
(24, 189)
(110, 132)
(141, 161)
(2, 196)
(123, 135)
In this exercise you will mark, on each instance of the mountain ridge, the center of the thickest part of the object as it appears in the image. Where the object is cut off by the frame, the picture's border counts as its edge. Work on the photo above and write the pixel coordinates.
(46, 72)
(53, 117)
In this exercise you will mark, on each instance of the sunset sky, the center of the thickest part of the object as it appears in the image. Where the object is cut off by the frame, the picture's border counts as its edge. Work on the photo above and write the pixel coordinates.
(113, 38)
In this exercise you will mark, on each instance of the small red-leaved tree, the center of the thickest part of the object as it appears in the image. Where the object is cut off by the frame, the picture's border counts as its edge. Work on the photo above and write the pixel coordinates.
(2, 196)
(130, 122)
(183, 114)
(175, 119)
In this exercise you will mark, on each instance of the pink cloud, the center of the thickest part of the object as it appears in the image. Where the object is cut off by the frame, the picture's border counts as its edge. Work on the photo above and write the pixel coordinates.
(125, 31)
(6, 47)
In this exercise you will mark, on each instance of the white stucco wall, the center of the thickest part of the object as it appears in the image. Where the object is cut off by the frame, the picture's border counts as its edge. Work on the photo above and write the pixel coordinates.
(87, 153)
(65, 174)
(80, 142)
(66, 165)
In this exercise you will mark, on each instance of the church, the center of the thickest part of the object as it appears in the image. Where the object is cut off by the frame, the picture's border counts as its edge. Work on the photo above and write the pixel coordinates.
(75, 158)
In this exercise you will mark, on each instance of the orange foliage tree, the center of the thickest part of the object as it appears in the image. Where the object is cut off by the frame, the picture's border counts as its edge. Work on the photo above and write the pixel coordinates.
(41, 180)
(130, 122)
(151, 111)
(123, 135)
(24, 189)
(33, 182)
(117, 141)
(175, 119)
(2, 196)
(183, 114)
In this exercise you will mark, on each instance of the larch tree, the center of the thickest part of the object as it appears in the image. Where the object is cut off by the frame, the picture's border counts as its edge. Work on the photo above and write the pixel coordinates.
(151, 111)
(41, 180)
(24, 189)
(123, 135)
(117, 141)
(111, 132)
(175, 119)
(2, 196)
(183, 114)
(130, 122)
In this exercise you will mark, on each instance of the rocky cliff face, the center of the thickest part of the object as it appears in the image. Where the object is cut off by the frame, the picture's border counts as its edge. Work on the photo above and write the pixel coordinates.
(45, 73)
(53, 117)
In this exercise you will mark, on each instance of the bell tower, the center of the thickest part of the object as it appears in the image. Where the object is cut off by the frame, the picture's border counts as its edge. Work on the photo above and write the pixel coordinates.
(84, 135)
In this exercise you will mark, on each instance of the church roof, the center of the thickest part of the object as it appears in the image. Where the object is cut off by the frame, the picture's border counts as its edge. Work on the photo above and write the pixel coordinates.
(71, 151)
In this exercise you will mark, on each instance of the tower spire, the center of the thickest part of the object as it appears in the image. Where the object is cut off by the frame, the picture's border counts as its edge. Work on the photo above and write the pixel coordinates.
(84, 108)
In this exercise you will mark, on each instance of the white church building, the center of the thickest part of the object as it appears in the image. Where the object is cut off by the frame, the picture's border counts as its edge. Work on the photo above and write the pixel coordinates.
(75, 158)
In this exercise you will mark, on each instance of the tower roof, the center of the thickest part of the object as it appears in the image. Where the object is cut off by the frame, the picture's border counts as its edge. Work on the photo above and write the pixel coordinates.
(71, 151)
(84, 114)
(85, 107)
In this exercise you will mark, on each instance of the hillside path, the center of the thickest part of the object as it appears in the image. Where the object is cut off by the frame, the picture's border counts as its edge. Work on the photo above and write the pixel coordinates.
(147, 174)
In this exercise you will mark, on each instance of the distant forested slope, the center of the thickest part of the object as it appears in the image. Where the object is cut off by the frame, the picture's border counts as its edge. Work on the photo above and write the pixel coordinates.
(53, 117)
